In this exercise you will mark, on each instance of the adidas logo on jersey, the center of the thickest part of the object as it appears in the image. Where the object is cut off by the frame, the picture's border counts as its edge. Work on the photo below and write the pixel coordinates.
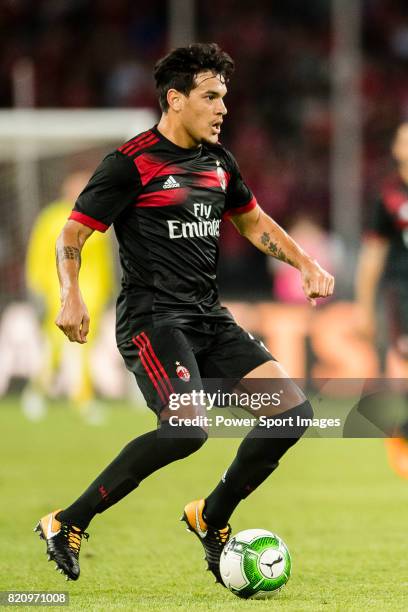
(171, 183)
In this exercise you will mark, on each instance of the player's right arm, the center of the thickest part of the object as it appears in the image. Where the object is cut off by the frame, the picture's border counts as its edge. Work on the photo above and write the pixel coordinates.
(112, 188)
(370, 268)
(73, 317)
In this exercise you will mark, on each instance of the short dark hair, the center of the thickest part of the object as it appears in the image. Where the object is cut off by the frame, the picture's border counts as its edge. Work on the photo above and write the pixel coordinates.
(178, 68)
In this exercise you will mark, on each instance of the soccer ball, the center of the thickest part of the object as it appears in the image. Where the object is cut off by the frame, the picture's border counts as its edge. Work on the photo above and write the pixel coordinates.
(255, 563)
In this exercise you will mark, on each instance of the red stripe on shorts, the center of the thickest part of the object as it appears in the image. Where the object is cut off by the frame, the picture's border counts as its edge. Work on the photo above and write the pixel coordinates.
(151, 372)
(157, 361)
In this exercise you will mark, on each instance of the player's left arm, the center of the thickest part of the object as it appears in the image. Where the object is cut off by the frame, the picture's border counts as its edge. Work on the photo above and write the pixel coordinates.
(264, 233)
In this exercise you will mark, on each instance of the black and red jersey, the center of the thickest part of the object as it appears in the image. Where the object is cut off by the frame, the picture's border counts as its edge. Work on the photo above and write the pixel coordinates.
(389, 219)
(166, 204)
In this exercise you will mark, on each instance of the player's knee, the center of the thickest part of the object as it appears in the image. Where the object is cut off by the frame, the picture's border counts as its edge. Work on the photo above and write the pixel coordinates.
(290, 426)
(265, 447)
(194, 440)
(304, 410)
(185, 439)
(302, 416)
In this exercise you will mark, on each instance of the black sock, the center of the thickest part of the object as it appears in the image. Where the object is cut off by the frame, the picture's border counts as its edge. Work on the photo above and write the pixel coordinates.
(404, 419)
(257, 457)
(140, 458)
(377, 413)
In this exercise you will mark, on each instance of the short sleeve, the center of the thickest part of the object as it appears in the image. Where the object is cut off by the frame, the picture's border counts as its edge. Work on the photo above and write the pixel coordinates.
(239, 198)
(114, 185)
(380, 222)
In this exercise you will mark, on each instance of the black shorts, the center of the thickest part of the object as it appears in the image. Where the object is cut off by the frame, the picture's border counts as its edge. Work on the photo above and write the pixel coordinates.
(168, 360)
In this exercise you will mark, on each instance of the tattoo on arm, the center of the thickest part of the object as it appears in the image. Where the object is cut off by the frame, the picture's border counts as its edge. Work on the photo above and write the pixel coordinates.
(273, 249)
(68, 252)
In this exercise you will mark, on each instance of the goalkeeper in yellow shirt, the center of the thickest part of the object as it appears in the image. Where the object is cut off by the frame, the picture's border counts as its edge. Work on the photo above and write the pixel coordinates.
(97, 276)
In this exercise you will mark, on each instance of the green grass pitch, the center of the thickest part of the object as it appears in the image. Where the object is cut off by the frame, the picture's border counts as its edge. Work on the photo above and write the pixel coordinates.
(336, 503)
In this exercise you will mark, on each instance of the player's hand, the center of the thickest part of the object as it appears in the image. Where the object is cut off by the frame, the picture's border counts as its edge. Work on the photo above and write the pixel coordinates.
(73, 318)
(316, 282)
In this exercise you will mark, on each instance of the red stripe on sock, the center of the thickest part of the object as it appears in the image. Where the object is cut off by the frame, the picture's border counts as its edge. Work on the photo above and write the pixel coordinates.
(149, 372)
(157, 361)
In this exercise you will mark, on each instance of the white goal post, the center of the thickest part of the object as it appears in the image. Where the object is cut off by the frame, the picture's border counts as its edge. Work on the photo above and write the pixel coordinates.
(51, 132)
(38, 149)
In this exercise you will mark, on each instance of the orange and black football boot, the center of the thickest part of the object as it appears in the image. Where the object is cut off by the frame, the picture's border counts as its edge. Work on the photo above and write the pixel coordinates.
(63, 543)
(397, 451)
(212, 539)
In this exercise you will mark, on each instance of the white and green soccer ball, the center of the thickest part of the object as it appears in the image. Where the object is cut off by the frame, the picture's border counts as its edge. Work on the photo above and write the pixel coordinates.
(255, 563)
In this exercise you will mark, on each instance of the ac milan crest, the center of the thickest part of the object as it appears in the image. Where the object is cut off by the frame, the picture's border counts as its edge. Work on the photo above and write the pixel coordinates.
(221, 176)
(182, 372)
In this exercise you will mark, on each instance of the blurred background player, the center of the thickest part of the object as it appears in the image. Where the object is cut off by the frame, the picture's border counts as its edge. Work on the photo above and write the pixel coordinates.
(65, 369)
(383, 263)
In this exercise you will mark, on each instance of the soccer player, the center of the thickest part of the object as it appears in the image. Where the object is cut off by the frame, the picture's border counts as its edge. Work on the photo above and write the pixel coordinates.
(384, 262)
(166, 192)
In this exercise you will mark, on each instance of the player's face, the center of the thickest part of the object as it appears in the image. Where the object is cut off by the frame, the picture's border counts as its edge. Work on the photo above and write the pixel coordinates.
(400, 145)
(203, 110)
